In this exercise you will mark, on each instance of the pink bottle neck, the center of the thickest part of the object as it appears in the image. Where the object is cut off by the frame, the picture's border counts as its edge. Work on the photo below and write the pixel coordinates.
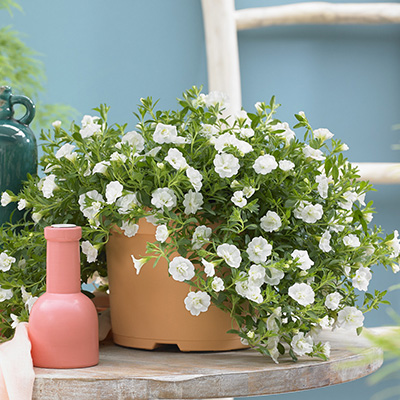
(63, 260)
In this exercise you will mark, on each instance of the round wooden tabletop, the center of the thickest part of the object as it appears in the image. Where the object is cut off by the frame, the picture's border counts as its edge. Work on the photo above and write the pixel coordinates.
(169, 374)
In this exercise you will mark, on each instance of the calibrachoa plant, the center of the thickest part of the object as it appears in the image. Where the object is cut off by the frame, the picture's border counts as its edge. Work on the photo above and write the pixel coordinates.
(270, 228)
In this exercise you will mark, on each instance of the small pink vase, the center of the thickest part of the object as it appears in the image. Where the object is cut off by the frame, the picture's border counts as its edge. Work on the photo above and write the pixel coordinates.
(63, 325)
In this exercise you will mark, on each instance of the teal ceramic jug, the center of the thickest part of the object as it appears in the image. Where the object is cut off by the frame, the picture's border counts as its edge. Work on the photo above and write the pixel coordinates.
(18, 149)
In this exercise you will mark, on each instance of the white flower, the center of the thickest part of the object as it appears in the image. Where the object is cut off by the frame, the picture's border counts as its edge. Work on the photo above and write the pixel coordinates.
(254, 294)
(270, 222)
(265, 164)
(127, 203)
(226, 165)
(258, 106)
(368, 217)
(163, 197)
(326, 322)
(201, 236)
(323, 134)
(308, 212)
(197, 302)
(89, 250)
(166, 134)
(90, 130)
(6, 199)
(302, 293)
(113, 191)
(6, 261)
(22, 204)
(130, 229)
(287, 133)
(91, 212)
(343, 147)
(138, 263)
(361, 198)
(256, 275)
(152, 219)
(324, 243)
(362, 278)
(118, 157)
(243, 146)
(192, 202)
(176, 159)
(332, 301)
(248, 191)
(134, 139)
(302, 258)
(272, 346)
(153, 152)
(209, 267)
(274, 320)
(48, 186)
(195, 178)
(214, 98)
(369, 250)
(316, 154)
(312, 213)
(28, 299)
(5, 294)
(274, 277)
(239, 199)
(87, 172)
(230, 253)
(350, 318)
(15, 320)
(36, 217)
(65, 151)
(349, 198)
(258, 250)
(302, 345)
(326, 349)
(323, 185)
(227, 139)
(101, 167)
(351, 241)
(242, 117)
(162, 233)
(88, 119)
(286, 165)
(217, 284)
(246, 133)
(181, 269)
(394, 244)
(209, 130)
(56, 124)
(242, 285)
(251, 292)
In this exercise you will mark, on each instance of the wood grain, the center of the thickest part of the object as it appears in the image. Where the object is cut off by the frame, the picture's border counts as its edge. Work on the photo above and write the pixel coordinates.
(124, 374)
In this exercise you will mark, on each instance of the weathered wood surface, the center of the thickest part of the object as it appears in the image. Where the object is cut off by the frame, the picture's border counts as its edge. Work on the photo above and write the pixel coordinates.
(318, 13)
(124, 374)
(379, 172)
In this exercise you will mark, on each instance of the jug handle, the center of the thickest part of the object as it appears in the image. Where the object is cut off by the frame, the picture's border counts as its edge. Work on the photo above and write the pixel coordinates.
(28, 104)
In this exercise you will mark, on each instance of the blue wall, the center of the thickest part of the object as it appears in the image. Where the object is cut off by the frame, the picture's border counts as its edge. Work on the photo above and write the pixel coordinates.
(345, 78)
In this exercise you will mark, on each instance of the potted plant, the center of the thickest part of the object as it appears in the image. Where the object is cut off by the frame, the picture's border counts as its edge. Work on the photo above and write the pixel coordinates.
(265, 226)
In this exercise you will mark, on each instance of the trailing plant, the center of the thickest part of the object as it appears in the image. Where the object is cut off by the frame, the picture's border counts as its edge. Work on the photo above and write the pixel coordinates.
(270, 228)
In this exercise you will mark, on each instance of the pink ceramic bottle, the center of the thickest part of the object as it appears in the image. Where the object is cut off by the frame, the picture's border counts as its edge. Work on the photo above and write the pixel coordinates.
(63, 325)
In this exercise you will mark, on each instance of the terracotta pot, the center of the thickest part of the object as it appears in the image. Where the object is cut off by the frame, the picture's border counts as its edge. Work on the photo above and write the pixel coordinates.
(147, 310)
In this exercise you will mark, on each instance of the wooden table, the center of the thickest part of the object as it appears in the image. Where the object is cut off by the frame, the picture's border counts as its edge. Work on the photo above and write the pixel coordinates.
(124, 374)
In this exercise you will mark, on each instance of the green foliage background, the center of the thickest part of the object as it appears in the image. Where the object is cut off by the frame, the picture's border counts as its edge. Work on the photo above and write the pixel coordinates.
(22, 69)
